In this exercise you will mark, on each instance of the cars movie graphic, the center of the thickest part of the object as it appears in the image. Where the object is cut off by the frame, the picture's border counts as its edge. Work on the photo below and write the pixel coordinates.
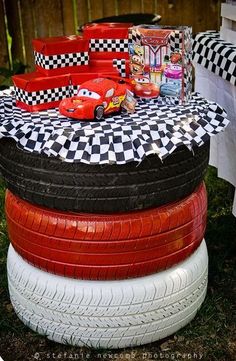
(159, 58)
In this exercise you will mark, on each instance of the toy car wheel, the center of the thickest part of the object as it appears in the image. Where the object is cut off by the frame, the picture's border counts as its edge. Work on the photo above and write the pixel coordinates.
(99, 112)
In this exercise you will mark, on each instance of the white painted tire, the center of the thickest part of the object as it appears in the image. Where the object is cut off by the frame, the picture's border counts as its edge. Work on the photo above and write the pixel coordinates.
(108, 314)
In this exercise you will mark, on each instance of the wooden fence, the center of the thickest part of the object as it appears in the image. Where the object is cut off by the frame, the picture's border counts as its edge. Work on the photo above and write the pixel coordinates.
(24, 20)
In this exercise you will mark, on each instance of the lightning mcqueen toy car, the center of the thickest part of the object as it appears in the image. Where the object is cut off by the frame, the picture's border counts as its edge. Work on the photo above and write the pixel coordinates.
(95, 98)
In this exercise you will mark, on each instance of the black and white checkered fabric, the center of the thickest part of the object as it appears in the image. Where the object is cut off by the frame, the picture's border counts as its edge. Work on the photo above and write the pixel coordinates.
(61, 60)
(216, 55)
(115, 45)
(155, 128)
(42, 96)
(120, 65)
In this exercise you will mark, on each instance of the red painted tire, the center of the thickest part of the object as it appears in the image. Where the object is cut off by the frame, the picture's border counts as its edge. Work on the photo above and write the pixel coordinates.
(106, 247)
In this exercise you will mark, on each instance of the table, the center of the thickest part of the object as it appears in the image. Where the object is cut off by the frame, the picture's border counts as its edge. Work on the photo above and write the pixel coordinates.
(156, 127)
(215, 72)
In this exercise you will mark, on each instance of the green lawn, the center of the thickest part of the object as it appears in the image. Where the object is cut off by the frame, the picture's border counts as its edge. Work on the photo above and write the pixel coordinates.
(210, 336)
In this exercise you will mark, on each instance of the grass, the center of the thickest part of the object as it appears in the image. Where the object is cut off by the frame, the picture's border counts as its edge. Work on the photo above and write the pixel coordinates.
(210, 336)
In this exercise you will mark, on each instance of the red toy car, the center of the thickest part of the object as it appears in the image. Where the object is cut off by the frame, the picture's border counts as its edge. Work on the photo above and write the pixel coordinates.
(143, 88)
(95, 98)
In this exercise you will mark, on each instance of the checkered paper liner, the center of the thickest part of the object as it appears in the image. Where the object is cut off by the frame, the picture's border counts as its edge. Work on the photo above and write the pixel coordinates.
(216, 55)
(110, 45)
(155, 128)
(61, 60)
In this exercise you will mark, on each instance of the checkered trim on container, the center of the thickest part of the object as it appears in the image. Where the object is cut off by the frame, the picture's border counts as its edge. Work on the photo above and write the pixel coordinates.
(187, 83)
(188, 43)
(120, 65)
(109, 45)
(175, 40)
(188, 34)
(42, 96)
(154, 128)
(134, 36)
(74, 90)
(188, 57)
(61, 60)
(216, 55)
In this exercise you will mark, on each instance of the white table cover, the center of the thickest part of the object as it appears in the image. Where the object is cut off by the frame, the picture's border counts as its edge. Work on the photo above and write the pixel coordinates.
(223, 145)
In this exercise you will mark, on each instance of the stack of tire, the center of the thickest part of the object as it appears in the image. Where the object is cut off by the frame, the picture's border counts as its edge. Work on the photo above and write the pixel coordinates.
(106, 256)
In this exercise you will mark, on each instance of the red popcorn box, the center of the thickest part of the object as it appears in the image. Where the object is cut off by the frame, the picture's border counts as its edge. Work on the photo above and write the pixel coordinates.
(121, 65)
(61, 55)
(35, 92)
(162, 55)
(80, 78)
(107, 40)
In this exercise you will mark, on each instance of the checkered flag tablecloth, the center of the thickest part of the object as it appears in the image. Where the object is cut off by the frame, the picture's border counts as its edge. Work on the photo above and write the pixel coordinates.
(216, 55)
(154, 128)
(61, 60)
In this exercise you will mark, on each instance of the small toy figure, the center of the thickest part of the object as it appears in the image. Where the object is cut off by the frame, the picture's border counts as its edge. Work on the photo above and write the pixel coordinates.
(95, 98)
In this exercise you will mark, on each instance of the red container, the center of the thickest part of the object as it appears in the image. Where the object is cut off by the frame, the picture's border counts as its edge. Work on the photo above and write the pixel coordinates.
(107, 40)
(121, 66)
(80, 78)
(36, 92)
(61, 55)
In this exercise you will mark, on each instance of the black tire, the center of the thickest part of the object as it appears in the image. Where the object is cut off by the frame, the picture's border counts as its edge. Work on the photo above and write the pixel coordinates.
(52, 183)
(99, 112)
